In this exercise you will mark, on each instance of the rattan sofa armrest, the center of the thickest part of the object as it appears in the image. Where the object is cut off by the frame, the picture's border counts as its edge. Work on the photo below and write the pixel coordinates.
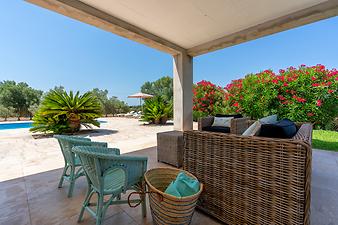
(238, 125)
(205, 122)
(304, 133)
(270, 164)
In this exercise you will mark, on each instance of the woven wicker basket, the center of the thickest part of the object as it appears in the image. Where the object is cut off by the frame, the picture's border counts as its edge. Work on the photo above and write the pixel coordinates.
(167, 209)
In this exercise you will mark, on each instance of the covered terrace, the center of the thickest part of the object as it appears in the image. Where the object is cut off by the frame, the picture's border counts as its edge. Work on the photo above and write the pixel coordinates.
(184, 29)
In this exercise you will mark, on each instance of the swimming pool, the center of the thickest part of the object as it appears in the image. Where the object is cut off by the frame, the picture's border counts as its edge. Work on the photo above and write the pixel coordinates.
(7, 126)
(10, 126)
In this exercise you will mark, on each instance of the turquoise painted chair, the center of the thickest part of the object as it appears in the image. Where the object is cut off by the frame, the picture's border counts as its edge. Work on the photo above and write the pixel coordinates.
(73, 169)
(110, 174)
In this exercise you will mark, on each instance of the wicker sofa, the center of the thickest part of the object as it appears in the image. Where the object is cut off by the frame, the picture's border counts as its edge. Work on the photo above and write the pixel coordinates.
(238, 125)
(252, 180)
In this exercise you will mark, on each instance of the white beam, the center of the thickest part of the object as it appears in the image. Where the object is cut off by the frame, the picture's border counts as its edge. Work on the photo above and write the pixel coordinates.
(312, 14)
(90, 15)
(183, 81)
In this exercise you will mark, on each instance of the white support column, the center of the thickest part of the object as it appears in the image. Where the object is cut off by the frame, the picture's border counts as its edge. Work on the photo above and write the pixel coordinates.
(183, 81)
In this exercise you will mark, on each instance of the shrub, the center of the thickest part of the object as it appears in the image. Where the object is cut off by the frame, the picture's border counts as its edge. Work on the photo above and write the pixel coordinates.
(208, 99)
(156, 110)
(252, 95)
(6, 112)
(18, 96)
(306, 94)
(61, 112)
(162, 87)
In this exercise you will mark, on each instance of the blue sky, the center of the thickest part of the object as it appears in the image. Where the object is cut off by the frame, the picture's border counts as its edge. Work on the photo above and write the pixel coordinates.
(46, 49)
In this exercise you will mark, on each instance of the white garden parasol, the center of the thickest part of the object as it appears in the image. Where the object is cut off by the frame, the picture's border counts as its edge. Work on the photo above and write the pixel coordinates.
(141, 96)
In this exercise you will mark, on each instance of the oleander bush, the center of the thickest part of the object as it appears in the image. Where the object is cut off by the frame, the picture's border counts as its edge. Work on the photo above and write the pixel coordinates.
(306, 94)
(208, 99)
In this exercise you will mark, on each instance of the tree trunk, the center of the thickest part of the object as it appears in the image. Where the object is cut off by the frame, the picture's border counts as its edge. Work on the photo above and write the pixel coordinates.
(164, 120)
(74, 124)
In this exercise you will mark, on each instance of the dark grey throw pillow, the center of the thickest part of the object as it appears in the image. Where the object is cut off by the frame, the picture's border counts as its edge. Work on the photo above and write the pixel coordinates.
(282, 129)
(234, 116)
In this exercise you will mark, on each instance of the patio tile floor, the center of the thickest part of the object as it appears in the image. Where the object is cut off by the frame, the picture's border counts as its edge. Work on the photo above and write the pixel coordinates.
(36, 200)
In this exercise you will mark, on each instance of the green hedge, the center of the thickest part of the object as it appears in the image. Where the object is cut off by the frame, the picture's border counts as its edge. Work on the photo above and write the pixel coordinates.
(306, 94)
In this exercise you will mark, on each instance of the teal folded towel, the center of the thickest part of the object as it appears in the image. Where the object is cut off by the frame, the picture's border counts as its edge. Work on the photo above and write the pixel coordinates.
(183, 186)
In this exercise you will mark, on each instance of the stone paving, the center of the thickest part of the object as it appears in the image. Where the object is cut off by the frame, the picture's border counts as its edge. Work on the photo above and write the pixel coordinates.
(31, 168)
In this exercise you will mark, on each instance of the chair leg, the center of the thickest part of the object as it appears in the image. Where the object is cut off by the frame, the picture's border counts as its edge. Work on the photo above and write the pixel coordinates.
(106, 205)
(118, 197)
(62, 176)
(99, 209)
(86, 202)
(144, 205)
(71, 181)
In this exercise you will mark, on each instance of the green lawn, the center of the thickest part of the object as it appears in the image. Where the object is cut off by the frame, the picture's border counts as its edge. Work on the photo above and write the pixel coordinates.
(324, 139)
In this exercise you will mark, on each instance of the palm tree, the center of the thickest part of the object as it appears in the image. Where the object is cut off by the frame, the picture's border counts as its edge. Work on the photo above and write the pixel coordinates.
(156, 110)
(61, 112)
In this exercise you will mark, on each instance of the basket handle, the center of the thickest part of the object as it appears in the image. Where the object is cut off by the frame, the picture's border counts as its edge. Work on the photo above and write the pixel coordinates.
(141, 193)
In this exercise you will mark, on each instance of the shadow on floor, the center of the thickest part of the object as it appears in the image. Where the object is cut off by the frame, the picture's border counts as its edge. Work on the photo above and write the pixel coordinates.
(157, 125)
(86, 132)
(35, 199)
(97, 132)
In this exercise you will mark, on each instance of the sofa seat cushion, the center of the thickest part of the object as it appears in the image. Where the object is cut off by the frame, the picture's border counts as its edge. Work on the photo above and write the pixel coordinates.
(282, 129)
(220, 129)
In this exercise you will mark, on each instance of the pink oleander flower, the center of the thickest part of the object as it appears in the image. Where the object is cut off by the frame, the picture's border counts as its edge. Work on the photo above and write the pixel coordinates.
(281, 97)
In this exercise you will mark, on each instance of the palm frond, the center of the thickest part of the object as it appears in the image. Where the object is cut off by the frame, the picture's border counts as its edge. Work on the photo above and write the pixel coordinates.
(58, 108)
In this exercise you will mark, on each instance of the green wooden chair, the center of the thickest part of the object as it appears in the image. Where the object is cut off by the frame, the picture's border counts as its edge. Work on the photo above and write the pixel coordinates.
(110, 174)
(73, 168)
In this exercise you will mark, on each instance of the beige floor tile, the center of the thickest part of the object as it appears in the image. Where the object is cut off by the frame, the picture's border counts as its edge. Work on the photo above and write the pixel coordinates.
(13, 203)
(31, 169)
(46, 182)
(20, 218)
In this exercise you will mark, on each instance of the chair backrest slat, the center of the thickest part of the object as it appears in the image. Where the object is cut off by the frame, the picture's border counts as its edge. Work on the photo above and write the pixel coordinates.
(68, 142)
(97, 162)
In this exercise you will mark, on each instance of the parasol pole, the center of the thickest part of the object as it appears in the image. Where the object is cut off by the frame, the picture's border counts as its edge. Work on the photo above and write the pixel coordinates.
(141, 106)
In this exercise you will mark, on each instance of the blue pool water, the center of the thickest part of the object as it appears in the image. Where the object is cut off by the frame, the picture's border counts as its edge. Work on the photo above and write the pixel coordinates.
(6, 126)
(9, 126)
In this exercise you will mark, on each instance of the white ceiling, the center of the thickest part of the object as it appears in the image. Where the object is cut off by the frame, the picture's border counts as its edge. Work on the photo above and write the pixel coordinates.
(189, 23)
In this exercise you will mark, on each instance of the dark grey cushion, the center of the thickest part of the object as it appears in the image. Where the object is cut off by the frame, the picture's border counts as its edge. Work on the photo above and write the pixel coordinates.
(282, 129)
(234, 116)
(217, 129)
